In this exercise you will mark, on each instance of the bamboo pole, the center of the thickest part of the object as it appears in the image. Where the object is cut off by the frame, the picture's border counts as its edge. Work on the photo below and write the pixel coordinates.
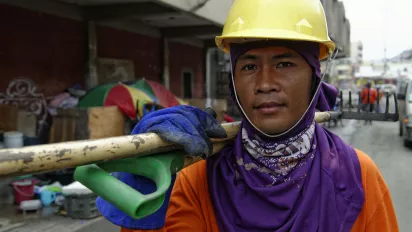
(51, 157)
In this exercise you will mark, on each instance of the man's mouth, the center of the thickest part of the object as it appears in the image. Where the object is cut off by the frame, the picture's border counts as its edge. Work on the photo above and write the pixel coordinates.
(269, 107)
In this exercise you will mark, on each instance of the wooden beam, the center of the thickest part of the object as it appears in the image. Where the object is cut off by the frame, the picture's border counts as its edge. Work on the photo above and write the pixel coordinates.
(124, 10)
(189, 31)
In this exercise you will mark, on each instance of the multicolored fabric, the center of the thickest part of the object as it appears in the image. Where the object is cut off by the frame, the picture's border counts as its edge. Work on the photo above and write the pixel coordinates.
(279, 158)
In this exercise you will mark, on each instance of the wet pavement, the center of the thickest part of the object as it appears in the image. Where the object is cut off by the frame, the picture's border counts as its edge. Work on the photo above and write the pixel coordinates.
(383, 144)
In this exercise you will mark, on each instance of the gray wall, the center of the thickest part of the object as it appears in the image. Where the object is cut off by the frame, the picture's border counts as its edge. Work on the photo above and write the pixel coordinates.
(338, 25)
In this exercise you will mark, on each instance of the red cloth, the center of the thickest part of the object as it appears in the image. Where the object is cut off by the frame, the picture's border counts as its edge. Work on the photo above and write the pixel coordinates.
(227, 118)
(165, 97)
(120, 96)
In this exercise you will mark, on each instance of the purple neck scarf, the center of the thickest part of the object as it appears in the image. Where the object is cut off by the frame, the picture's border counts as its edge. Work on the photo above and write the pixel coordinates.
(308, 179)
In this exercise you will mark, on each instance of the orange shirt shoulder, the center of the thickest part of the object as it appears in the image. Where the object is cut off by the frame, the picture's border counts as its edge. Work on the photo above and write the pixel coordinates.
(378, 213)
(191, 209)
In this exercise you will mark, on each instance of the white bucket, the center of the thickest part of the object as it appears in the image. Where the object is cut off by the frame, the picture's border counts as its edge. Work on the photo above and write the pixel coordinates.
(13, 139)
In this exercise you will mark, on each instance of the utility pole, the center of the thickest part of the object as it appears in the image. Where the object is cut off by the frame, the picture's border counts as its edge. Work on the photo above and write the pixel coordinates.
(385, 60)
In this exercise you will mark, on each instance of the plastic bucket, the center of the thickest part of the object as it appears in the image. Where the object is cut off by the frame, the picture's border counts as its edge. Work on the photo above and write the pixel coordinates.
(13, 139)
(23, 190)
(47, 197)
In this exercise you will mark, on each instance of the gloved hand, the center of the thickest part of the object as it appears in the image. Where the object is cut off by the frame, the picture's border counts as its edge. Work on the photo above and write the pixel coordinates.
(185, 125)
(188, 126)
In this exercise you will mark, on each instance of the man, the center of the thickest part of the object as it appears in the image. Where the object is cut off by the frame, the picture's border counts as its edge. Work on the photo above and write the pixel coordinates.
(368, 96)
(283, 172)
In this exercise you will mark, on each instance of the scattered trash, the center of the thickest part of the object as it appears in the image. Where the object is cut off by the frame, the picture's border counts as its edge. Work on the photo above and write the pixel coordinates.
(75, 188)
(81, 206)
(49, 193)
(23, 189)
(47, 197)
(55, 187)
(13, 139)
(31, 205)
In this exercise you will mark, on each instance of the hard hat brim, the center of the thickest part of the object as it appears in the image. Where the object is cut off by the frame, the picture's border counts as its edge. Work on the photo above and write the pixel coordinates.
(327, 46)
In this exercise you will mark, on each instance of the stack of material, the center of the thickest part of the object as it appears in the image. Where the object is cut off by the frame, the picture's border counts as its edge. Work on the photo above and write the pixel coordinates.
(80, 202)
(14, 119)
(87, 123)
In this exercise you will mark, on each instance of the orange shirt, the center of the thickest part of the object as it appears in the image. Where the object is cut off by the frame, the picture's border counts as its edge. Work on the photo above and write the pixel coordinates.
(191, 209)
(372, 98)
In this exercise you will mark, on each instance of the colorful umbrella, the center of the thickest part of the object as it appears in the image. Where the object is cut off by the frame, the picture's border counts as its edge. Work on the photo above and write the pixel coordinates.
(120, 95)
(133, 98)
(164, 96)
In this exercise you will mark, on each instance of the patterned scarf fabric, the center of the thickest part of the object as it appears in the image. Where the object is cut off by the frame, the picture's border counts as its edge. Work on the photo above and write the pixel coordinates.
(280, 158)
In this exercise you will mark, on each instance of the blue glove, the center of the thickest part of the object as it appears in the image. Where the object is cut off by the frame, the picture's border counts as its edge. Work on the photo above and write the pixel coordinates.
(188, 126)
(185, 125)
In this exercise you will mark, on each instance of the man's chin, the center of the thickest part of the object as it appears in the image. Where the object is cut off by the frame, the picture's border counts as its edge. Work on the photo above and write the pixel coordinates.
(272, 126)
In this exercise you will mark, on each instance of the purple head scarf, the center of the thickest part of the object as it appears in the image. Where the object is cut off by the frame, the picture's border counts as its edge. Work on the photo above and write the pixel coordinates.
(310, 181)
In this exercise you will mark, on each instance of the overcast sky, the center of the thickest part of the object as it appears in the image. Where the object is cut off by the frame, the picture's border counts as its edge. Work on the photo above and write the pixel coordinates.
(375, 22)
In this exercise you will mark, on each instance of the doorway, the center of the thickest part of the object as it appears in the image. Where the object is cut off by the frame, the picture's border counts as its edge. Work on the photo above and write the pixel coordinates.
(187, 84)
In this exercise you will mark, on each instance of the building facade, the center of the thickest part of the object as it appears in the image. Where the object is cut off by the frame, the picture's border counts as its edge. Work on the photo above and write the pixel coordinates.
(58, 43)
(356, 55)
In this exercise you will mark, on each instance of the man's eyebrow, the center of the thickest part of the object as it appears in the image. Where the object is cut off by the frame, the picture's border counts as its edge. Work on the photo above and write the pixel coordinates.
(248, 57)
(275, 57)
(284, 55)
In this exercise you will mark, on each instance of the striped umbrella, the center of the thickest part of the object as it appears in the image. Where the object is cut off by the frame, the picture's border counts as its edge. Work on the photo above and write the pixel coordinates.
(133, 98)
(126, 98)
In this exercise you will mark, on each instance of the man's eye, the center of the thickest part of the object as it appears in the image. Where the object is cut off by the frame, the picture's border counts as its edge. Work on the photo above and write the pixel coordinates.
(248, 67)
(284, 65)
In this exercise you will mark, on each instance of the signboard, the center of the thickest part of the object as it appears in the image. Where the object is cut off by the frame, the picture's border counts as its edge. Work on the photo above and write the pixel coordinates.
(114, 70)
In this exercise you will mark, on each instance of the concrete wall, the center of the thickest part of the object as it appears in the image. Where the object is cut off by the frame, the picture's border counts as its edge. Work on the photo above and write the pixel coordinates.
(338, 25)
(51, 49)
(144, 51)
(146, 54)
(184, 58)
(212, 10)
(46, 48)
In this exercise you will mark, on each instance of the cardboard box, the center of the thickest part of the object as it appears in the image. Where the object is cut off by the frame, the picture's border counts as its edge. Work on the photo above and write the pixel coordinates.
(87, 123)
(14, 119)
(8, 117)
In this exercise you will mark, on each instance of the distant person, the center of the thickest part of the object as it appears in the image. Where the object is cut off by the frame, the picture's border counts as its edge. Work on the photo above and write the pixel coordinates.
(368, 96)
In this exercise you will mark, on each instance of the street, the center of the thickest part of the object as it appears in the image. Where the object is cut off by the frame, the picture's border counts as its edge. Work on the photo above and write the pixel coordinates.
(383, 144)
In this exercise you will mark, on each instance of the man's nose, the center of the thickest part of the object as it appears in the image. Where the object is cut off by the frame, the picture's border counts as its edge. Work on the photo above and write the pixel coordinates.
(266, 81)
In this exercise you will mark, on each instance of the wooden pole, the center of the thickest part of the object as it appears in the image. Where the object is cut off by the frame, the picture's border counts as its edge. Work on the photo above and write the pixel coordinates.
(51, 157)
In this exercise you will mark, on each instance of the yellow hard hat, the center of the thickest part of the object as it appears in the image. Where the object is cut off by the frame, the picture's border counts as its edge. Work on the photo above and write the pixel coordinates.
(299, 20)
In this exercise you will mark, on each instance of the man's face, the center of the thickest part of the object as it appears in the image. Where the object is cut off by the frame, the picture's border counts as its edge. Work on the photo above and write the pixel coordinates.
(273, 86)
